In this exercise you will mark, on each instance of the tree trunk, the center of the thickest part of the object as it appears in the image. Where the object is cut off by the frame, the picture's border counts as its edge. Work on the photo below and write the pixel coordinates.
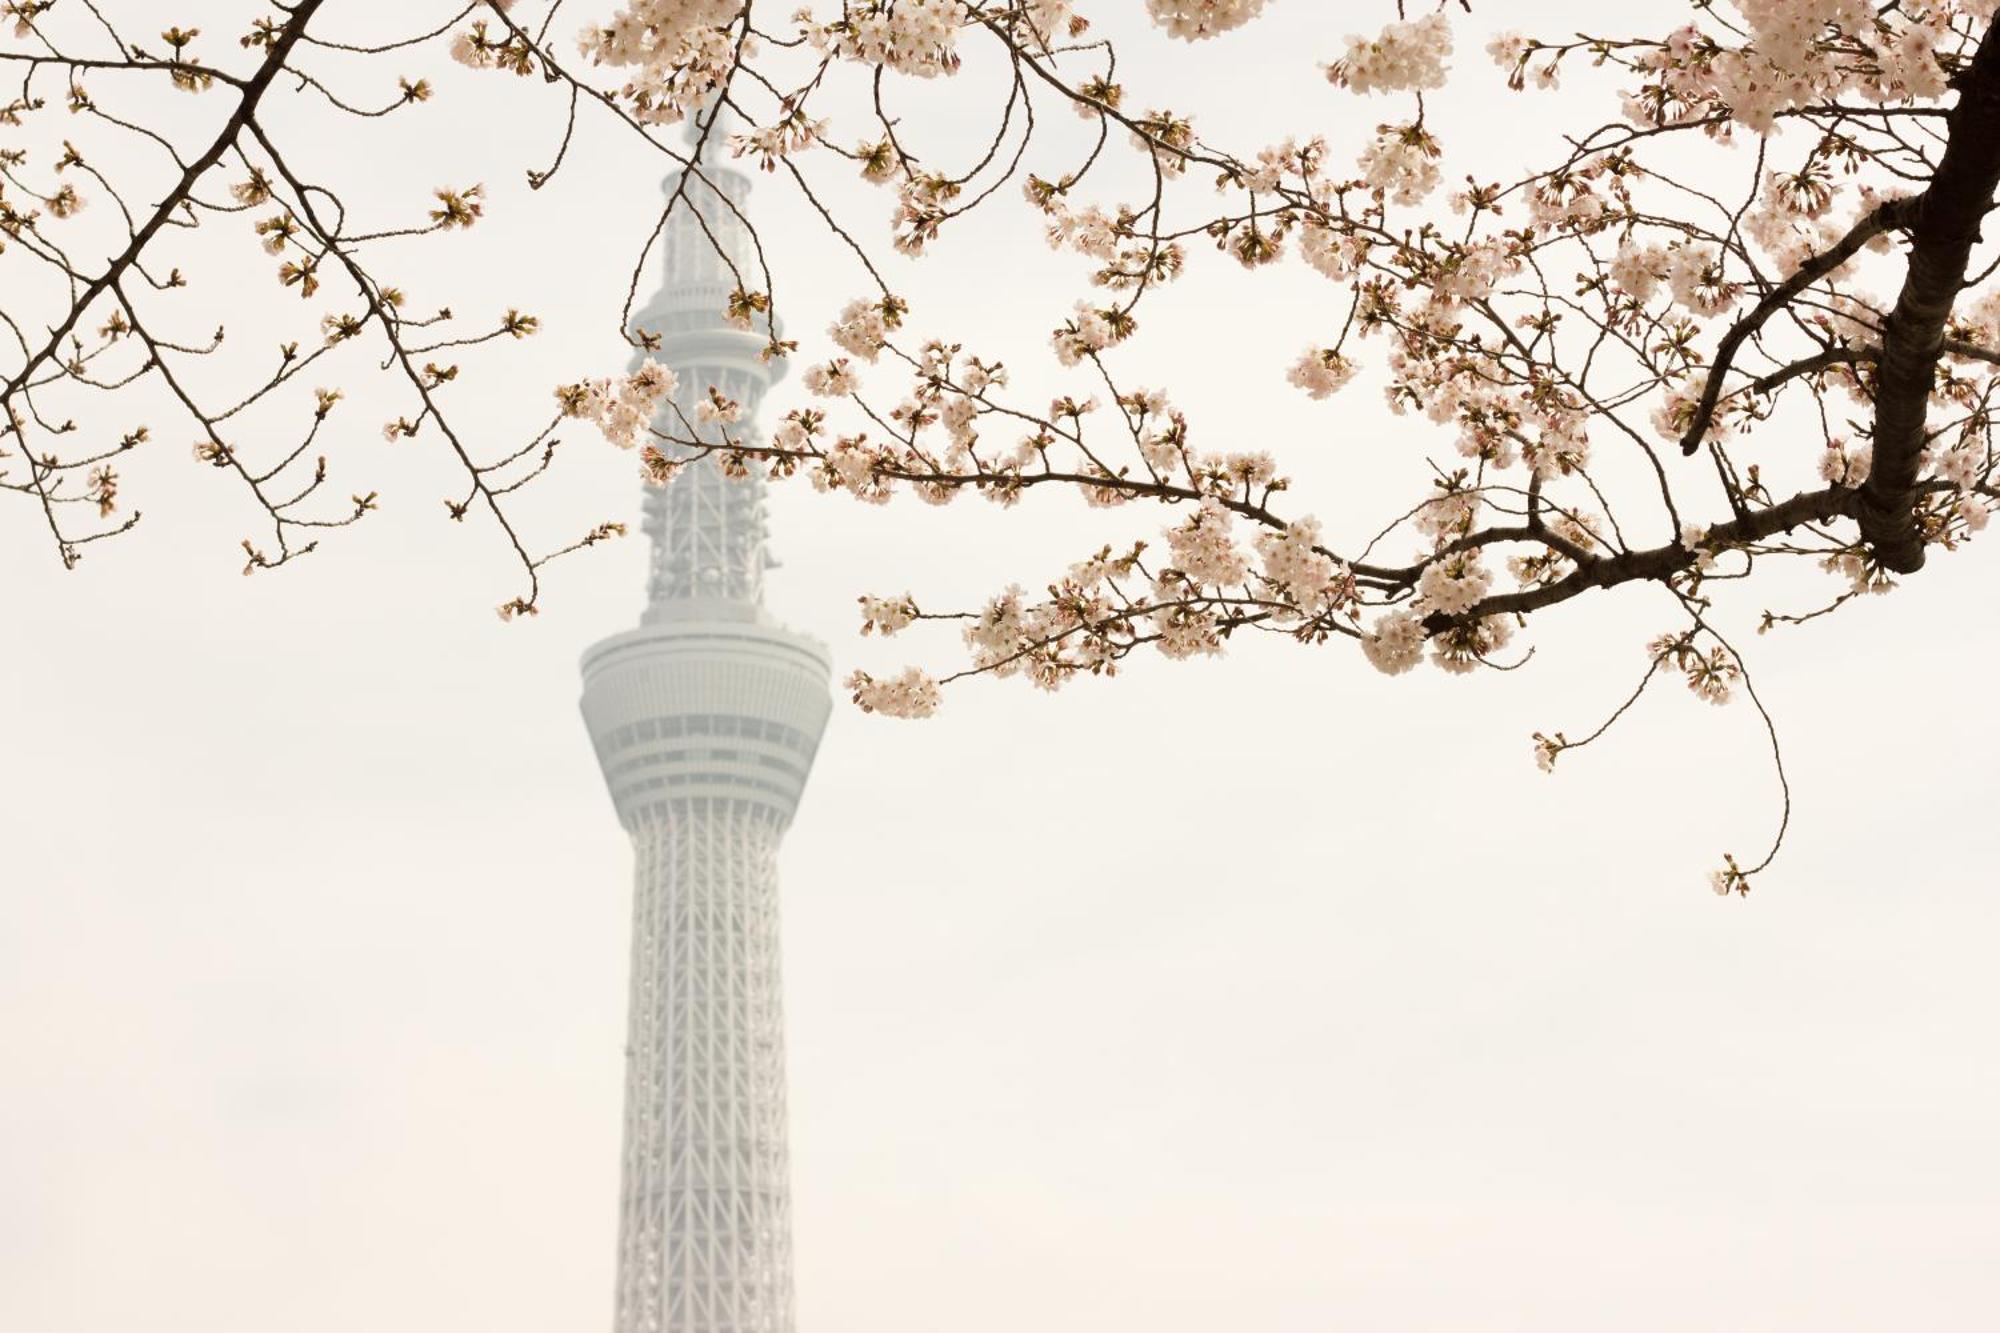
(1946, 228)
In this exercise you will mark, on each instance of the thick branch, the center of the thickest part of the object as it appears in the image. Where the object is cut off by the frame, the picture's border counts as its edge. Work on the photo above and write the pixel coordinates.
(1661, 562)
(1941, 242)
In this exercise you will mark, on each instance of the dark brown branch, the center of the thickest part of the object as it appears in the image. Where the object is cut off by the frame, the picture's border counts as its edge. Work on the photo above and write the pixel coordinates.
(253, 91)
(246, 108)
(1662, 562)
(1885, 217)
(1946, 228)
(1812, 365)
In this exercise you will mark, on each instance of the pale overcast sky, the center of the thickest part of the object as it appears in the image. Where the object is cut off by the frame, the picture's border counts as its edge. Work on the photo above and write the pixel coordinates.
(1267, 993)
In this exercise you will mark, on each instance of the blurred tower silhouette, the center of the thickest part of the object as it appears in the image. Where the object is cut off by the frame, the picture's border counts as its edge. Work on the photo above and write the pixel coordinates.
(705, 719)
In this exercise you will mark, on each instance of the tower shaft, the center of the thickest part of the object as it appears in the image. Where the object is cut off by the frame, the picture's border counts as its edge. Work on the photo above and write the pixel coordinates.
(705, 730)
(705, 1217)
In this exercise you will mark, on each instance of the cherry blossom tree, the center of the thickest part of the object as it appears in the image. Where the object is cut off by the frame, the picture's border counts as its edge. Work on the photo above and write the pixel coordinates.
(1740, 318)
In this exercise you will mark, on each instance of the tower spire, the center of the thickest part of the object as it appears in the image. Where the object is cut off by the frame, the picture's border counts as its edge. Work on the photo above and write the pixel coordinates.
(707, 530)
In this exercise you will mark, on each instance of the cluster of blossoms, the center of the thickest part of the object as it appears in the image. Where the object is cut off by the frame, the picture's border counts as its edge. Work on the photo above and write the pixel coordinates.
(1085, 332)
(1795, 216)
(1799, 53)
(1965, 467)
(623, 408)
(680, 51)
(851, 463)
(1088, 231)
(1637, 269)
(1204, 547)
(1696, 277)
(1464, 646)
(1711, 675)
(1321, 372)
(1006, 636)
(1401, 164)
(1125, 259)
(833, 379)
(910, 694)
(1403, 58)
(1510, 50)
(915, 37)
(1303, 574)
(1336, 253)
(1453, 584)
(863, 327)
(1193, 20)
(1395, 642)
(887, 615)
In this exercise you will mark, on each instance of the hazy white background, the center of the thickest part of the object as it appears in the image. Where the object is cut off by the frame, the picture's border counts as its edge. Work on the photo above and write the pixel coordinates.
(1266, 994)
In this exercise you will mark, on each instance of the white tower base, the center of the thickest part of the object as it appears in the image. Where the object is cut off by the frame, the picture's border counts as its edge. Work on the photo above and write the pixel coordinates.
(705, 731)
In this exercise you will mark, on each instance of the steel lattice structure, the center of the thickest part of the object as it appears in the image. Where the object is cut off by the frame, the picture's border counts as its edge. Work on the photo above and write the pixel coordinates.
(705, 719)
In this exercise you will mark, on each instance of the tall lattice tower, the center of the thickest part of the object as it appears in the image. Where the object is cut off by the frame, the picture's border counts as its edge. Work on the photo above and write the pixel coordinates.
(705, 719)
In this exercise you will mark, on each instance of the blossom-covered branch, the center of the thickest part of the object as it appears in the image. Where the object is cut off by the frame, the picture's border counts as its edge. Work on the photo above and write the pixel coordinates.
(1741, 321)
